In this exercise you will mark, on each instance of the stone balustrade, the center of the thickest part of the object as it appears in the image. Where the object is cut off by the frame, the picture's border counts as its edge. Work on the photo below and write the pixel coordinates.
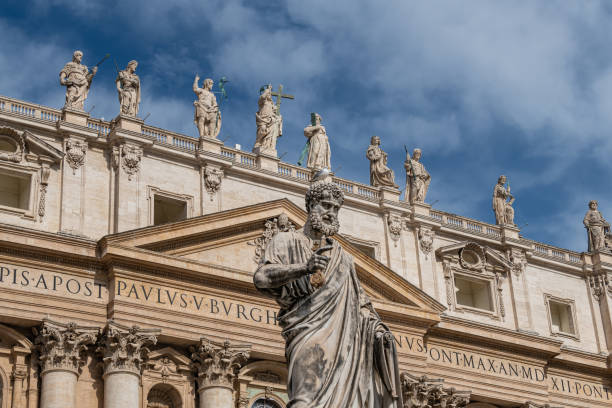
(29, 109)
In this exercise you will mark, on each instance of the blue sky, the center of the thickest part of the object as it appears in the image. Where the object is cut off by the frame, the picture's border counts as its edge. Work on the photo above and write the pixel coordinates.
(521, 88)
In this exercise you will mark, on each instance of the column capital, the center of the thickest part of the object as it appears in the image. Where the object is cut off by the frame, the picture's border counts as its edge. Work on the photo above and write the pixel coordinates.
(124, 348)
(217, 363)
(423, 392)
(61, 346)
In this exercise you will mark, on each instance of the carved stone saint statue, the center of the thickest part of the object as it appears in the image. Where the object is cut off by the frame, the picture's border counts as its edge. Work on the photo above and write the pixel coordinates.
(319, 153)
(380, 174)
(339, 352)
(207, 116)
(128, 87)
(417, 178)
(269, 124)
(504, 213)
(77, 80)
(598, 229)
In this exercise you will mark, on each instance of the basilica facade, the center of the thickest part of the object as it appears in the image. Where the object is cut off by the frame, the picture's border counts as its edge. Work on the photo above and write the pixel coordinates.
(127, 255)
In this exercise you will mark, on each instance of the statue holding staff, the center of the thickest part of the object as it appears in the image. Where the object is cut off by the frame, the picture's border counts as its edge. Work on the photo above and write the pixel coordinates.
(417, 178)
(501, 194)
(207, 116)
(269, 123)
(77, 78)
(128, 88)
(339, 352)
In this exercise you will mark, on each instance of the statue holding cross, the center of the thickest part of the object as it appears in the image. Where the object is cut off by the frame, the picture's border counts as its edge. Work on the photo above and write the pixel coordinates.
(269, 121)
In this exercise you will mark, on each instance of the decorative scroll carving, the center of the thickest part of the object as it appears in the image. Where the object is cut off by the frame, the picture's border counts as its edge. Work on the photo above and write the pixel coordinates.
(472, 257)
(271, 228)
(395, 227)
(16, 141)
(217, 364)
(600, 284)
(423, 392)
(124, 348)
(499, 279)
(212, 180)
(130, 159)
(448, 275)
(426, 237)
(75, 153)
(62, 346)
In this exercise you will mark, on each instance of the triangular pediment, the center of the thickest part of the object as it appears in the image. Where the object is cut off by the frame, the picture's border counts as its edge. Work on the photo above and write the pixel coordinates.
(25, 143)
(230, 240)
(489, 255)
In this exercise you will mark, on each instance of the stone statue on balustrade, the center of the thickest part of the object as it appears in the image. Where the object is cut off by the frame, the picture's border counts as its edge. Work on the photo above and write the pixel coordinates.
(269, 124)
(598, 229)
(339, 352)
(207, 116)
(319, 152)
(128, 88)
(380, 174)
(502, 203)
(77, 78)
(417, 178)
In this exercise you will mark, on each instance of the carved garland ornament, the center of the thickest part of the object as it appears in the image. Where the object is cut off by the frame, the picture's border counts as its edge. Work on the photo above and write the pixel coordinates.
(45, 172)
(130, 159)
(212, 180)
(600, 284)
(217, 364)
(395, 227)
(75, 153)
(518, 262)
(62, 346)
(426, 237)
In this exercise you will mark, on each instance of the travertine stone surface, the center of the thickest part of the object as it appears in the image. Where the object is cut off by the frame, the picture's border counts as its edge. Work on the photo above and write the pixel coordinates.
(380, 174)
(77, 80)
(59, 389)
(598, 229)
(417, 178)
(319, 152)
(128, 88)
(216, 365)
(121, 390)
(207, 116)
(269, 124)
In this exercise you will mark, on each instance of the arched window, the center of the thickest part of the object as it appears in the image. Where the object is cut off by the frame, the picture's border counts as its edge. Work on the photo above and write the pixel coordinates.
(164, 396)
(265, 403)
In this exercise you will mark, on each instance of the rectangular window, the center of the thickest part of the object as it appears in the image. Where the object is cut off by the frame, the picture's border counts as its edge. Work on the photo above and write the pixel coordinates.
(15, 191)
(168, 209)
(561, 317)
(474, 293)
(366, 249)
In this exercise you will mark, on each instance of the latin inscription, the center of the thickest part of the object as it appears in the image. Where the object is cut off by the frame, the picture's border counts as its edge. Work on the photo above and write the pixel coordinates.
(198, 303)
(33, 280)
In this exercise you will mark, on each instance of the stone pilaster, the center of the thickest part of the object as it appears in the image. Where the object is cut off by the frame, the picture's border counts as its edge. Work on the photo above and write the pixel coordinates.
(423, 392)
(61, 348)
(212, 177)
(73, 185)
(216, 366)
(126, 160)
(124, 351)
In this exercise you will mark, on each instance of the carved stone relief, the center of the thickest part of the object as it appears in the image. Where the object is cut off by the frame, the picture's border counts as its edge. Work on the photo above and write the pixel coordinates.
(426, 238)
(126, 348)
(130, 159)
(217, 364)
(518, 260)
(600, 284)
(62, 346)
(472, 257)
(271, 228)
(423, 392)
(12, 145)
(45, 172)
(75, 153)
(212, 180)
(394, 222)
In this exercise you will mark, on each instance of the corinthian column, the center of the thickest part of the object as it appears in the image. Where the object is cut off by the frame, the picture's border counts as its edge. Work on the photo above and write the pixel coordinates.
(61, 349)
(217, 365)
(124, 350)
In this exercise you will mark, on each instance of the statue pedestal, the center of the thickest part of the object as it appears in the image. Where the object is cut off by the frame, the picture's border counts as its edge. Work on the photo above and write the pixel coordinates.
(77, 117)
(210, 145)
(421, 209)
(267, 162)
(509, 231)
(268, 152)
(129, 123)
(389, 194)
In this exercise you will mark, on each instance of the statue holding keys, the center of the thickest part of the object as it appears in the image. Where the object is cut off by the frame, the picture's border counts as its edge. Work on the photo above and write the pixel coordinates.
(325, 314)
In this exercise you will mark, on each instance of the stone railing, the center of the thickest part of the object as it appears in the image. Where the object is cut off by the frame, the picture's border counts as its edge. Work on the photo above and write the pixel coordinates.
(100, 126)
(29, 109)
(464, 223)
(240, 157)
(552, 252)
(170, 138)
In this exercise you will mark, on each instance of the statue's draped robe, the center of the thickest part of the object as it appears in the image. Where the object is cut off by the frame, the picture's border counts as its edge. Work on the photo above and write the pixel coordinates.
(597, 228)
(500, 194)
(417, 181)
(269, 125)
(80, 79)
(319, 153)
(129, 96)
(334, 357)
(380, 174)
